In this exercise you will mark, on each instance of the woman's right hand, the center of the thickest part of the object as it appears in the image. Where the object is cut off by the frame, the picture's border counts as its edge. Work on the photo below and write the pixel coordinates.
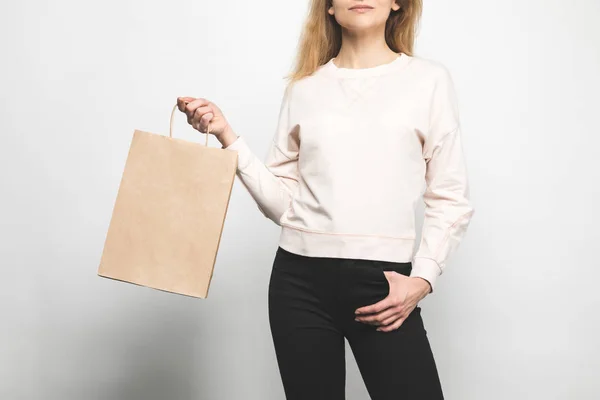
(200, 112)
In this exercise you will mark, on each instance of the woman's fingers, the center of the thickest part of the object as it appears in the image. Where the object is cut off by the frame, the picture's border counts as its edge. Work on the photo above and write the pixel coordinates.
(195, 111)
(394, 318)
(377, 307)
(183, 101)
(393, 326)
(191, 107)
(378, 318)
(202, 114)
(202, 117)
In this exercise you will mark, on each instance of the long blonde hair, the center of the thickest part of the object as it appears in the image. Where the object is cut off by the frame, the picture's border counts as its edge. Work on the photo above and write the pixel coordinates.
(321, 37)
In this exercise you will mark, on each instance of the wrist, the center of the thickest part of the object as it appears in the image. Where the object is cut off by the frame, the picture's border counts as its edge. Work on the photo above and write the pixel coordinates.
(427, 269)
(424, 286)
(227, 137)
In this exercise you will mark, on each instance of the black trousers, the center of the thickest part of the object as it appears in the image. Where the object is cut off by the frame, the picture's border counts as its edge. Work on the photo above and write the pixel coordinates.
(311, 311)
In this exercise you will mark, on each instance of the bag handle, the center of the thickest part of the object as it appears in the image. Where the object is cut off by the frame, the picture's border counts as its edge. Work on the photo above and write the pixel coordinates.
(171, 126)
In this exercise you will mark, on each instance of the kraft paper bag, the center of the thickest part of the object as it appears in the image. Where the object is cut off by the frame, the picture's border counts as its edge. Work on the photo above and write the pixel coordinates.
(169, 214)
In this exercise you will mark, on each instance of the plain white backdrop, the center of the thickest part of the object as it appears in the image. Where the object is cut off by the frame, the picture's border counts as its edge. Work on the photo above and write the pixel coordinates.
(516, 315)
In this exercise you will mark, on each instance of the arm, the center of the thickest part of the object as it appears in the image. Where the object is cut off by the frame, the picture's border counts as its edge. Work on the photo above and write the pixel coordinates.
(448, 209)
(273, 182)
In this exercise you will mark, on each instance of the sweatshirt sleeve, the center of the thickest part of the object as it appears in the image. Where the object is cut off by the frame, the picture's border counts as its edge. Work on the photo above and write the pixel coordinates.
(448, 209)
(272, 182)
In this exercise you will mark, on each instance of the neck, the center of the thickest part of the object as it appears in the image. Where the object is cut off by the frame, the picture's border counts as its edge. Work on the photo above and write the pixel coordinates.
(364, 50)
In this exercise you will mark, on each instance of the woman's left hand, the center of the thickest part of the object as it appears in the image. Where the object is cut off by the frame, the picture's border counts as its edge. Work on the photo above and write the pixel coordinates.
(389, 313)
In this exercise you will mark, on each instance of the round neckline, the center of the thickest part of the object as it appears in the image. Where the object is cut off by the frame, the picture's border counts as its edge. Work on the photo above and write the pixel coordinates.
(333, 70)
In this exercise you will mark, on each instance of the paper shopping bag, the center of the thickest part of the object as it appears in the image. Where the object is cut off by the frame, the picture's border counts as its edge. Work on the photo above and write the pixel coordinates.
(169, 214)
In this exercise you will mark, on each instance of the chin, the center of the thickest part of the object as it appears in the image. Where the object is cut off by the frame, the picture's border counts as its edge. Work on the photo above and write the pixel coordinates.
(358, 24)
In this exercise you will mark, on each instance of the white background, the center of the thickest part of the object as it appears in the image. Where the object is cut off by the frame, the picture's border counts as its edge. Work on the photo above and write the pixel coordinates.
(516, 315)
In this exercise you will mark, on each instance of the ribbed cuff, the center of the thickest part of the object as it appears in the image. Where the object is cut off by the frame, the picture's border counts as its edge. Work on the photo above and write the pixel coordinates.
(244, 152)
(427, 269)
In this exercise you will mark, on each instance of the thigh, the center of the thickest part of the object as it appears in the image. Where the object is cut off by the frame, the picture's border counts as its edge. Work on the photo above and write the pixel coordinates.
(309, 347)
(395, 365)
(399, 364)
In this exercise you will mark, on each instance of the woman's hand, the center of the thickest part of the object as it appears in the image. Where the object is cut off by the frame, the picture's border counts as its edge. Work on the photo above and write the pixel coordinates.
(390, 313)
(200, 112)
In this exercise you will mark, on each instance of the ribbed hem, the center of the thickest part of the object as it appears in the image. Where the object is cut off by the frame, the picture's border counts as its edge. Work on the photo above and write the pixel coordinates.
(427, 269)
(378, 248)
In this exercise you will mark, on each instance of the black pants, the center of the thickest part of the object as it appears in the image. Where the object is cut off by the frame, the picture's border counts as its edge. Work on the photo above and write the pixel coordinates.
(311, 310)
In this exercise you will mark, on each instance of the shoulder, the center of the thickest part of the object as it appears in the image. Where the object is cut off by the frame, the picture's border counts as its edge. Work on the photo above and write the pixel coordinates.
(303, 88)
(307, 82)
(430, 70)
(437, 82)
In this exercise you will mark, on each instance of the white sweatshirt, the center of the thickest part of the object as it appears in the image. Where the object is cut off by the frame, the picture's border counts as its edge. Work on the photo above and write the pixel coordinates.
(350, 158)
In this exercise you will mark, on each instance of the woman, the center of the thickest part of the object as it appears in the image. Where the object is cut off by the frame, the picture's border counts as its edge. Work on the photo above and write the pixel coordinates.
(363, 123)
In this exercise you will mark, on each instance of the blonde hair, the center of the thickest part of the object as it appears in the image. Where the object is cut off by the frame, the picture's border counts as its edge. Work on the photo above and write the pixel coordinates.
(321, 37)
